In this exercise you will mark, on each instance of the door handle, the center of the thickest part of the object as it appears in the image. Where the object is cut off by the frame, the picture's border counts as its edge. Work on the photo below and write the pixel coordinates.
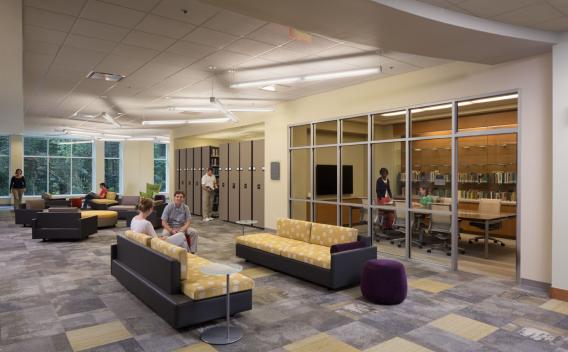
(254, 169)
(258, 186)
(233, 185)
(245, 186)
(222, 184)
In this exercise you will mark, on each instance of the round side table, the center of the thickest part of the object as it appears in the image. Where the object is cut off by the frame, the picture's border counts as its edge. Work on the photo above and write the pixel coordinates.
(222, 335)
(246, 223)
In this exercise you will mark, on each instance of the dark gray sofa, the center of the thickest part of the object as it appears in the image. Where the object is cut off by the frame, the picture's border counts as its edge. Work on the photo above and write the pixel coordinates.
(154, 279)
(63, 226)
(126, 206)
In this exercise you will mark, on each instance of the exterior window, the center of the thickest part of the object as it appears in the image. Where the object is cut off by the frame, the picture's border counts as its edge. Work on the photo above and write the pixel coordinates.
(4, 165)
(113, 169)
(58, 166)
(161, 165)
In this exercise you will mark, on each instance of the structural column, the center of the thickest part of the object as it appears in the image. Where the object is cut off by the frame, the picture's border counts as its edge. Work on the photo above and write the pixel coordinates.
(559, 283)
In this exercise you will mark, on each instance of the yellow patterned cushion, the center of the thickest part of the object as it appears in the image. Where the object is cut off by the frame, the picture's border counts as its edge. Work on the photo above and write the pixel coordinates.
(177, 253)
(294, 229)
(104, 201)
(268, 242)
(107, 214)
(201, 286)
(310, 253)
(141, 238)
(328, 235)
(111, 195)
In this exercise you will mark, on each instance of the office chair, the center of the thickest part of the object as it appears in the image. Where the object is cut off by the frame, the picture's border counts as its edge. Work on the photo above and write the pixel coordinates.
(440, 227)
(394, 234)
(400, 226)
(488, 206)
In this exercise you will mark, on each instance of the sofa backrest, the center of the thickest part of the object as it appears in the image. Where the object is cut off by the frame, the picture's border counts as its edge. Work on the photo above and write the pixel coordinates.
(176, 253)
(141, 238)
(294, 229)
(328, 235)
(130, 200)
(111, 195)
(35, 204)
(58, 220)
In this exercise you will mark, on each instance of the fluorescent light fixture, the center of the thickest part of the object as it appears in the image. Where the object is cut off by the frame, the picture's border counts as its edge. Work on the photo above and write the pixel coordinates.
(394, 113)
(109, 135)
(164, 122)
(342, 74)
(211, 120)
(112, 139)
(81, 133)
(491, 99)
(141, 139)
(111, 119)
(110, 77)
(214, 109)
(266, 82)
(75, 142)
(270, 88)
(232, 117)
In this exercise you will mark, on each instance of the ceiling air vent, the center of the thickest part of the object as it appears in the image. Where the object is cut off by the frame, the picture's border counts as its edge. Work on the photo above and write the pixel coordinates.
(111, 77)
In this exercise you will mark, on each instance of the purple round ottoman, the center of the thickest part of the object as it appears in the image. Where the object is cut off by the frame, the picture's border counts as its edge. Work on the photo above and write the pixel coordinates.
(384, 281)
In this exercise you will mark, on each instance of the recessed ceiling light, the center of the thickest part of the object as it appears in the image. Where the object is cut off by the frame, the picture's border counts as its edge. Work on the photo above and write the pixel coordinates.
(111, 77)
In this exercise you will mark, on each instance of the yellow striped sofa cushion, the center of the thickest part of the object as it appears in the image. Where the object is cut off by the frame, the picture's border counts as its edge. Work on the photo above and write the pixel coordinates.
(328, 235)
(104, 201)
(200, 286)
(310, 253)
(141, 238)
(268, 242)
(177, 253)
(294, 229)
(111, 195)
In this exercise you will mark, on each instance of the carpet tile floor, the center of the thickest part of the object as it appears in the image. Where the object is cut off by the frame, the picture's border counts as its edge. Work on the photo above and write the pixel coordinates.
(60, 296)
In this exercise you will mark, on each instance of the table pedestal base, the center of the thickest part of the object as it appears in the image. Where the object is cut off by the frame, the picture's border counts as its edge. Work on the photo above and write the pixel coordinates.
(218, 335)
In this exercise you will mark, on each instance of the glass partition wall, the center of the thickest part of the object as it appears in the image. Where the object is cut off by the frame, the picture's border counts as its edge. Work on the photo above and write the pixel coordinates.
(434, 183)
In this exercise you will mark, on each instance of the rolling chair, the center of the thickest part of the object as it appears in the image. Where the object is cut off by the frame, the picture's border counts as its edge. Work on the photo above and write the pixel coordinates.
(440, 227)
(394, 234)
(400, 226)
(488, 206)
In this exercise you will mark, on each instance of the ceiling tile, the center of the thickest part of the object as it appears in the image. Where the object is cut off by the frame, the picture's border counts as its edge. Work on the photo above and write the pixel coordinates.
(82, 42)
(222, 60)
(46, 19)
(190, 49)
(111, 14)
(559, 24)
(119, 65)
(234, 23)
(147, 40)
(43, 35)
(197, 12)
(36, 47)
(249, 47)
(561, 5)
(140, 5)
(135, 52)
(530, 14)
(150, 74)
(283, 55)
(340, 50)
(257, 63)
(490, 8)
(175, 60)
(271, 33)
(99, 30)
(78, 58)
(67, 7)
(165, 26)
(414, 60)
(209, 37)
(316, 45)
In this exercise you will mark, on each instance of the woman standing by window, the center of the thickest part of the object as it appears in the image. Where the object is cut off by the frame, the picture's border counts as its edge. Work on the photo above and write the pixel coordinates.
(18, 187)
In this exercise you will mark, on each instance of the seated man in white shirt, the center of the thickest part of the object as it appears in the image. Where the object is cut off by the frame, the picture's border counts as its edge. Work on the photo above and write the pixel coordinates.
(208, 184)
(176, 220)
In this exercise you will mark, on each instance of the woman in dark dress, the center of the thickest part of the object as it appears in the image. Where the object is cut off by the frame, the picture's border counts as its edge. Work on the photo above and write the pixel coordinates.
(18, 187)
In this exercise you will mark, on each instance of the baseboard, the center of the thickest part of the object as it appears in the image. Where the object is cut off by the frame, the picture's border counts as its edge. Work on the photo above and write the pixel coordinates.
(558, 293)
(534, 283)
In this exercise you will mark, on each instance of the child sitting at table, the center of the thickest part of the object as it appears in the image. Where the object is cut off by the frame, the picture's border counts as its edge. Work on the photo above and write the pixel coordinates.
(425, 198)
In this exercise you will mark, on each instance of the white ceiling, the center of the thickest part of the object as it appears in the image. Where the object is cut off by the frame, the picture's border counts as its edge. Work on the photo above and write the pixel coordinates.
(548, 15)
(166, 55)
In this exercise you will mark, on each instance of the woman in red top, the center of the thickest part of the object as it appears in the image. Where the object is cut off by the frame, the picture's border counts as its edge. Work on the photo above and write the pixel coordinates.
(102, 194)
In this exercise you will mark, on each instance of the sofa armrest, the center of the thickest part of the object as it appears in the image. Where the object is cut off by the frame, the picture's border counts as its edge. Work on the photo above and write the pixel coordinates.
(88, 225)
(347, 266)
(365, 238)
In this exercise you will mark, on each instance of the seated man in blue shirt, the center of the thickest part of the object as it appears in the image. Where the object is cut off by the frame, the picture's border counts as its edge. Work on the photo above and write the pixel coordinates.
(176, 220)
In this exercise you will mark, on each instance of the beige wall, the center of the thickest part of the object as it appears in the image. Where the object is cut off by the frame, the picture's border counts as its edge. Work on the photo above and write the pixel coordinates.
(138, 162)
(531, 76)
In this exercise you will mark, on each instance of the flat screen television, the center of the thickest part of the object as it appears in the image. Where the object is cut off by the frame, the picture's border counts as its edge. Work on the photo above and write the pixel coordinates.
(326, 179)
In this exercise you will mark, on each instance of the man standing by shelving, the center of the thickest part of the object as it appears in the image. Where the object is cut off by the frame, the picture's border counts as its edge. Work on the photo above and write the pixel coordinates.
(208, 184)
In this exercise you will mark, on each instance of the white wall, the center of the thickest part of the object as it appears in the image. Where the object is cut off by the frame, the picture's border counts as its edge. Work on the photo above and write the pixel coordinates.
(11, 70)
(138, 161)
(531, 76)
(560, 166)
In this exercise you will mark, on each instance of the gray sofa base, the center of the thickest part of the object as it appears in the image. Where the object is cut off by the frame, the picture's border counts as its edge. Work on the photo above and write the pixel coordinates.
(25, 216)
(146, 280)
(346, 267)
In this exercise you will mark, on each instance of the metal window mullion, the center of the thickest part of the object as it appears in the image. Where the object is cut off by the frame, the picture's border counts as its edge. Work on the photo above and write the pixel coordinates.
(454, 191)
(408, 161)
(338, 220)
(370, 132)
(312, 172)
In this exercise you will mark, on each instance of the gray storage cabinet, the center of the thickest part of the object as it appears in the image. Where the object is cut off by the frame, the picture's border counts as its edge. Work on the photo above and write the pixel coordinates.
(197, 181)
(245, 172)
(258, 182)
(224, 182)
(189, 178)
(234, 182)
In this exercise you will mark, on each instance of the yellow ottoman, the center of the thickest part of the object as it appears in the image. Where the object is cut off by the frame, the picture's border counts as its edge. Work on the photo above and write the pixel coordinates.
(106, 218)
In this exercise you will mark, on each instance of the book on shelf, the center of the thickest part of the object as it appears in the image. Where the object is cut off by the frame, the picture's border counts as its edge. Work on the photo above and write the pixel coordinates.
(495, 177)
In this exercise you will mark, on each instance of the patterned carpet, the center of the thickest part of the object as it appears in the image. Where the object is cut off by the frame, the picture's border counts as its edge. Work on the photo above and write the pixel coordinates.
(60, 296)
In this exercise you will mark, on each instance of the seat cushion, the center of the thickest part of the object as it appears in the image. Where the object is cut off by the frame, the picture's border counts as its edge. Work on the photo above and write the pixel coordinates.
(294, 229)
(328, 235)
(310, 253)
(104, 201)
(268, 242)
(200, 286)
(106, 218)
(141, 238)
(178, 254)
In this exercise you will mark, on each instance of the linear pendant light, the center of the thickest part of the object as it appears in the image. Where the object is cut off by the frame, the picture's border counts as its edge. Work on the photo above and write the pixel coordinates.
(183, 122)
(215, 109)
(314, 77)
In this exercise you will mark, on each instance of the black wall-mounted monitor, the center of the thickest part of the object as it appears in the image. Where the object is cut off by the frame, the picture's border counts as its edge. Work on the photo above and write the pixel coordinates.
(326, 179)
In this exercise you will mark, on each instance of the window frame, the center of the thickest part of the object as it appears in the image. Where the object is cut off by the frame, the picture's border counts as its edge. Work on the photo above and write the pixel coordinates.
(167, 173)
(9, 156)
(120, 164)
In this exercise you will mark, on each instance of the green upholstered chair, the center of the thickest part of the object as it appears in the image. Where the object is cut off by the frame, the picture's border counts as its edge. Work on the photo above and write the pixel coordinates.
(151, 190)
